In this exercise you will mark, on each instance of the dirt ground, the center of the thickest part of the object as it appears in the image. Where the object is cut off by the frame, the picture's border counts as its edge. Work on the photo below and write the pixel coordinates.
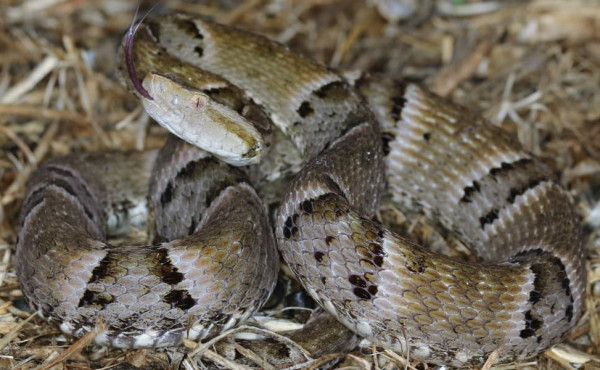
(531, 67)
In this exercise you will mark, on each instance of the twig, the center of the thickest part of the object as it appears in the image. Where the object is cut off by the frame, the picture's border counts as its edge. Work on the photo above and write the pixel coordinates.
(75, 347)
(491, 359)
(4, 341)
(37, 112)
(251, 355)
(220, 360)
(451, 76)
(42, 69)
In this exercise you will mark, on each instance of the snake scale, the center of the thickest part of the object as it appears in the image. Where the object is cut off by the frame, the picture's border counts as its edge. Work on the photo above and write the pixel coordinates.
(214, 258)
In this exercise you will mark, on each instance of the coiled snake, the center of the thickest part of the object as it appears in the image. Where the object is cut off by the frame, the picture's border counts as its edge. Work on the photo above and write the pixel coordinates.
(215, 259)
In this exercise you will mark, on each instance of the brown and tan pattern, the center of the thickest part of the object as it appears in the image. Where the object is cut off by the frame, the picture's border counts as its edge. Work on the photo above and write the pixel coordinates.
(524, 296)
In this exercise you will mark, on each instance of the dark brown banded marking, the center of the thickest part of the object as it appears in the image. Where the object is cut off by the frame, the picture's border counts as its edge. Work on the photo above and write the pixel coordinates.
(372, 289)
(305, 109)
(362, 289)
(189, 169)
(307, 206)
(376, 249)
(192, 170)
(68, 174)
(181, 299)
(357, 281)
(469, 191)
(40, 194)
(531, 325)
(187, 172)
(427, 136)
(167, 195)
(290, 228)
(505, 166)
(569, 312)
(515, 192)
(215, 189)
(536, 294)
(398, 101)
(329, 239)
(362, 293)
(489, 218)
(548, 270)
(31, 205)
(103, 269)
(98, 299)
(386, 138)
(165, 269)
(326, 90)
(192, 228)
(335, 190)
(66, 186)
(287, 232)
(188, 27)
(566, 284)
(199, 50)
(319, 256)
(99, 273)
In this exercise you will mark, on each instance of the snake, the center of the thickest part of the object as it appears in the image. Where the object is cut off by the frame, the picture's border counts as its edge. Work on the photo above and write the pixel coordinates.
(214, 255)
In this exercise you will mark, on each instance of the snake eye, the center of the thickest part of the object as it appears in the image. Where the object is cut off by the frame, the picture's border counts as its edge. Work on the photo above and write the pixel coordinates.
(198, 102)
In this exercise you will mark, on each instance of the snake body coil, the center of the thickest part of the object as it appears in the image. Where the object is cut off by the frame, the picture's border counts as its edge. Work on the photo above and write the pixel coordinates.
(500, 200)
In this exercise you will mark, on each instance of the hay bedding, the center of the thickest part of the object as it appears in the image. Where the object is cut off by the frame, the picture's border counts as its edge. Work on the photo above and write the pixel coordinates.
(531, 67)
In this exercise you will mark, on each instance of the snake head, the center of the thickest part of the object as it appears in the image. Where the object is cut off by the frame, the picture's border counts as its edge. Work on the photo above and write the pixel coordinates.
(195, 117)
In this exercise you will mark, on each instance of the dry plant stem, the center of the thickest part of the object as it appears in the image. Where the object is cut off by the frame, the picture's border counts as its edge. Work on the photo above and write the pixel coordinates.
(365, 364)
(251, 355)
(374, 353)
(352, 37)
(4, 341)
(75, 347)
(327, 358)
(399, 359)
(245, 7)
(220, 360)
(490, 360)
(251, 329)
(18, 90)
(20, 143)
(4, 266)
(37, 112)
(570, 358)
(18, 183)
(451, 76)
